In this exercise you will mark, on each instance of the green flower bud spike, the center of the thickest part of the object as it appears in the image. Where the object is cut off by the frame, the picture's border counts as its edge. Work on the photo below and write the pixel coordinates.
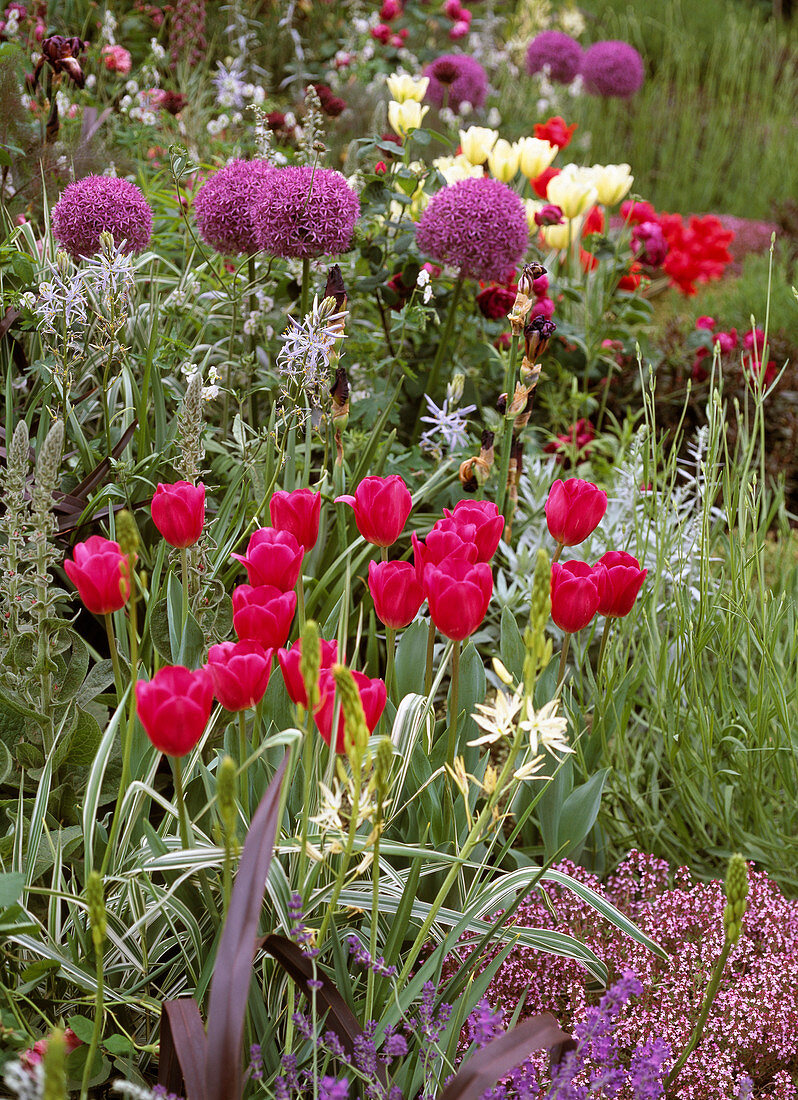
(95, 898)
(356, 733)
(54, 1065)
(736, 897)
(538, 646)
(310, 662)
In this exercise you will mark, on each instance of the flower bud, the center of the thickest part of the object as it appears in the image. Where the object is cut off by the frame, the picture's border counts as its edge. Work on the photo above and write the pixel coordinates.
(537, 645)
(226, 794)
(737, 888)
(95, 899)
(536, 336)
(127, 533)
(54, 1065)
(356, 732)
(310, 662)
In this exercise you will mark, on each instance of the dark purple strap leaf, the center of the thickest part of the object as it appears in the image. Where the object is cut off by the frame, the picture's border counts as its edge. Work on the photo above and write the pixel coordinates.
(339, 1016)
(181, 1062)
(233, 968)
(487, 1066)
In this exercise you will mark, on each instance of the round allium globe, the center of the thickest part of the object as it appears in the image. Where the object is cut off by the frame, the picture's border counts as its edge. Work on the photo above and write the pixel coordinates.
(97, 203)
(560, 53)
(304, 212)
(612, 68)
(478, 226)
(223, 206)
(455, 79)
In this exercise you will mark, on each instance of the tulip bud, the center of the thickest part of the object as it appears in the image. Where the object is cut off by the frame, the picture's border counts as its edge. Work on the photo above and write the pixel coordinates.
(356, 733)
(95, 900)
(310, 662)
(737, 888)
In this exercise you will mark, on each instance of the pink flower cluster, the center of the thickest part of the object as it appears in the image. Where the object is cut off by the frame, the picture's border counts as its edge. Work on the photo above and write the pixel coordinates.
(383, 32)
(460, 17)
(752, 1026)
(749, 356)
(117, 59)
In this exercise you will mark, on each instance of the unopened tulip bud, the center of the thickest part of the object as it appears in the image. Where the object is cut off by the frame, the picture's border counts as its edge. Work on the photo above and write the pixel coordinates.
(549, 215)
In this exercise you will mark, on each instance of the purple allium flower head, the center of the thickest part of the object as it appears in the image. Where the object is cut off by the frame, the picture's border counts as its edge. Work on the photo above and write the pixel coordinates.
(558, 52)
(96, 203)
(455, 79)
(223, 206)
(612, 68)
(306, 212)
(478, 226)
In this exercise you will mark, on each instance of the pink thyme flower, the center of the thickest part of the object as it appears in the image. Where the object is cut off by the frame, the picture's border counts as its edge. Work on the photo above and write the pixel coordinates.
(612, 68)
(97, 203)
(478, 226)
(556, 52)
(117, 59)
(305, 212)
(224, 205)
(455, 79)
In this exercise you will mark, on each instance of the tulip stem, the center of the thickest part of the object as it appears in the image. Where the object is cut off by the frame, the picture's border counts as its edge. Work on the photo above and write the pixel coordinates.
(300, 601)
(435, 371)
(604, 635)
(502, 498)
(454, 704)
(558, 551)
(307, 769)
(390, 646)
(109, 631)
(242, 758)
(184, 567)
(177, 768)
(430, 658)
(563, 657)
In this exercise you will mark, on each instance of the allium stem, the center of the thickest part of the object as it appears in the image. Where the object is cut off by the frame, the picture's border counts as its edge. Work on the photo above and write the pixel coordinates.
(430, 657)
(506, 444)
(305, 290)
(709, 997)
(242, 759)
(431, 384)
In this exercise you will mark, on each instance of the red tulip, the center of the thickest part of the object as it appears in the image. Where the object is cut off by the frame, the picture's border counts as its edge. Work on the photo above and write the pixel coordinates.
(620, 578)
(372, 695)
(574, 595)
(178, 511)
(574, 510)
(459, 593)
(273, 557)
(453, 541)
(100, 573)
(240, 673)
(297, 512)
(396, 592)
(488, 520)
(174, 708)
(263, 614)
(382, 505)
(289, 660)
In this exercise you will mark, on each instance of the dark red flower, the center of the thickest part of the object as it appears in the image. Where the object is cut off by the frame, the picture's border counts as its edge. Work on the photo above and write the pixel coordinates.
(496, 301)
(555, 132)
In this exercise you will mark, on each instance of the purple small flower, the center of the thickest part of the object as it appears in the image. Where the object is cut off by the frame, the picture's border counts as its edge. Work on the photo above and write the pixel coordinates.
(484, 1024)
(332, 1089)
(478, 226)
(560, 54)
(363, 958)
(97, 203)
(223, 206)
(455, 79)
(612, 68)
(305, 212)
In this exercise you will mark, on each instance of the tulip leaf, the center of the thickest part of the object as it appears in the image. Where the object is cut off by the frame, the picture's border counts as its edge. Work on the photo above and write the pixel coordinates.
(411, 659)
(511, 646)
(579, 812)
(551, 804)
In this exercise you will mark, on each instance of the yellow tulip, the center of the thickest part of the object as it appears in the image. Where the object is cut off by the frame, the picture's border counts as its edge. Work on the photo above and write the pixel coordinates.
(477, 142)
(503, 160)
(454, 169)
(532, 207)
(573, 191)
(404, 117)
(612, 181)
(404, 88)
(535, 156)
(561, 236)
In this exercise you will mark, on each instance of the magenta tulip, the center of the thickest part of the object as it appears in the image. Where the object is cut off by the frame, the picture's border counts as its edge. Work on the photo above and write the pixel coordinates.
(372, 695)
(297, 512)
(240, 673)
(100, 573)
(574, 510)
(273, 558)
(459, 593)
(396, 592)
(620, 579)
(486, 518)
(174, 708)
(443, 542)
(178, 511)
(574, 595)
(263, 614)
(289, 661)
(381, 506)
